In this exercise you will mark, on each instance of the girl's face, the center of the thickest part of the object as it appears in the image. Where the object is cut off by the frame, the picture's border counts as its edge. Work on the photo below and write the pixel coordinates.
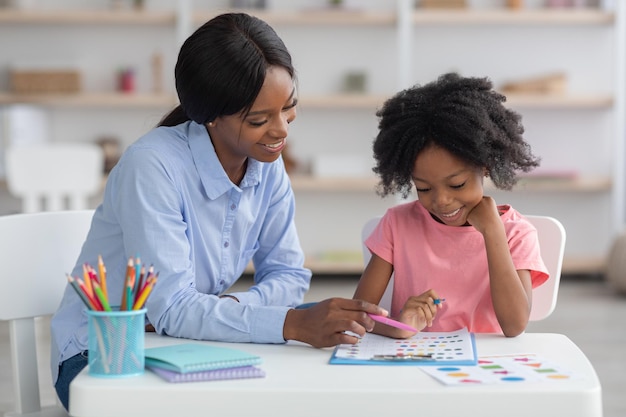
(261, 133)
(448, 187)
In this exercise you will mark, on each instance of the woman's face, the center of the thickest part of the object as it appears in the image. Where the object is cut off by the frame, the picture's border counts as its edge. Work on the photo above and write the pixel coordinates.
(261, 133)
(448, 187)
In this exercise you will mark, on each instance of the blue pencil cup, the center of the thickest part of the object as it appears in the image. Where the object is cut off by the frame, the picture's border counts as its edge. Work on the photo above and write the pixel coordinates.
(116, 343)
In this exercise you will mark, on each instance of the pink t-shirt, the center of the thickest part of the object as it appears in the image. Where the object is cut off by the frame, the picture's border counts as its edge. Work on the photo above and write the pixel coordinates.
(451, 260)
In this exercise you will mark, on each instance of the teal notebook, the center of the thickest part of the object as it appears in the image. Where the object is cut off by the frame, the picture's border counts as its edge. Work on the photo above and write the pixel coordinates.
(195, 357)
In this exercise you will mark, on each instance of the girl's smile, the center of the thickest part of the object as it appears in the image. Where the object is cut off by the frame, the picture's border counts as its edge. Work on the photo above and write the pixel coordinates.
(447, 186)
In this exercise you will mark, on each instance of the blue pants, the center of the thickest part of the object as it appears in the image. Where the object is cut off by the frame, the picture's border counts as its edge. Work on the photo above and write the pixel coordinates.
(67, 372)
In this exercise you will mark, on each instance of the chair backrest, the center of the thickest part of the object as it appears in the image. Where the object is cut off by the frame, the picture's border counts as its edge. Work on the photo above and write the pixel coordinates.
(551, 235)
(44, 176)
(38, 250)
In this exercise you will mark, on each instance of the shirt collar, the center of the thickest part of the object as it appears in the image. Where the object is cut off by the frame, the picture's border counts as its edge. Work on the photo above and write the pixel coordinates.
(210, 170)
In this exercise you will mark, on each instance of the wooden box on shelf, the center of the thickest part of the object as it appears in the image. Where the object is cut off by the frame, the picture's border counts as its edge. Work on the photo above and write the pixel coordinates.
(25, 81)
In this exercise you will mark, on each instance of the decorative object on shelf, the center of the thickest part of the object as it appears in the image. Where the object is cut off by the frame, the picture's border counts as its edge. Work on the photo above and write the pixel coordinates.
(335, 3)
(546, 84)
(126, 80)
(138, 5)
(25, 81)
(571, 3)
(439, 4)
(616, 268)
(515, 4)
(157, 72)
(248, 4)
(291, 164)
(111, 149)
(355, 82)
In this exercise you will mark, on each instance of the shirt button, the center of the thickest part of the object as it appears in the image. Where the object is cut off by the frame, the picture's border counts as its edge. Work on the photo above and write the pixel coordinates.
(226, 244)
(233, 206)
(221, 282)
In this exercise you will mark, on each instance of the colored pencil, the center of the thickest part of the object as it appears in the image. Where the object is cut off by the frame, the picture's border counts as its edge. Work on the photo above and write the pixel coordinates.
(137, 275)
(103, 276)
(80, 293)
(129, 293)
(130, 270)
(87, 280)
(139, 283)
(97, 305)
(100, 294)
(141, 300)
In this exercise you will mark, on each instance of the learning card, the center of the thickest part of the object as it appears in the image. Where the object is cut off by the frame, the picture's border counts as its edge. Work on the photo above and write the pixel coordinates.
(424, 348)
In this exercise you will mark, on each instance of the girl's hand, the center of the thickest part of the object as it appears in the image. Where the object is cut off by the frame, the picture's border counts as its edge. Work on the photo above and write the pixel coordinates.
(419, 311)
(484, 215)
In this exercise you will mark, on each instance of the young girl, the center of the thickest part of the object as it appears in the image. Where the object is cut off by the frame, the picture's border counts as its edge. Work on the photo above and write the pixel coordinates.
(458, 259)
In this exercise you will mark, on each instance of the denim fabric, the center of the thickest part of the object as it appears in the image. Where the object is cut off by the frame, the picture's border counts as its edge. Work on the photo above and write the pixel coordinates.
(67, 372)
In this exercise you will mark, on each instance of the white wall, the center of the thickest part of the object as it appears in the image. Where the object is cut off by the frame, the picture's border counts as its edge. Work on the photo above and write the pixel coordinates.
(582, 140)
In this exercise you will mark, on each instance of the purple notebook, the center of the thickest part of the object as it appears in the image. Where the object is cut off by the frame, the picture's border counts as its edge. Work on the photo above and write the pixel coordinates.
(241, 372)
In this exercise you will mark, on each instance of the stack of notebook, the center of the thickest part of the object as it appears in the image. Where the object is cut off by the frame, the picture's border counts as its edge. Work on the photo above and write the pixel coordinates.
(191, 362)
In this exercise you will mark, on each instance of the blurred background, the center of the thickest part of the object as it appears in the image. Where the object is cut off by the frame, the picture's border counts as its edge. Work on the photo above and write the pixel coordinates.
(99, 74)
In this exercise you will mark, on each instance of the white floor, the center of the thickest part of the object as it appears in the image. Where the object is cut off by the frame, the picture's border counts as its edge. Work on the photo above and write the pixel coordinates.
(588, 312)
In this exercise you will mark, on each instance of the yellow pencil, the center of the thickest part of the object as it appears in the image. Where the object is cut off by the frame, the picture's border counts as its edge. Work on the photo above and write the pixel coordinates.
(103, 276)
(144, 295)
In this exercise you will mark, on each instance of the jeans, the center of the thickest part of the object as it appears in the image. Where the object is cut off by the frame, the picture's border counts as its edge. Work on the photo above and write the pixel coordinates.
(67, 372)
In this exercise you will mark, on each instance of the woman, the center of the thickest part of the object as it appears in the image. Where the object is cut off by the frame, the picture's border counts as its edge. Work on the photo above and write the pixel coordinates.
(203, 195)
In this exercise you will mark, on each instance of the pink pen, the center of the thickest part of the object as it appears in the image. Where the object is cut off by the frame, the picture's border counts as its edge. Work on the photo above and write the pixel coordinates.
(391, 322)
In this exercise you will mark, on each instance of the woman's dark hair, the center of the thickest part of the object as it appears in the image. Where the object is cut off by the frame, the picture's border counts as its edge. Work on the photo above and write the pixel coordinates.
(462, 115)
(221, 67)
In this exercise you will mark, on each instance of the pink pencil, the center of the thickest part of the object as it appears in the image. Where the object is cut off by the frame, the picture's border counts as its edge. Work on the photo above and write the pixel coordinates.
(391, 322)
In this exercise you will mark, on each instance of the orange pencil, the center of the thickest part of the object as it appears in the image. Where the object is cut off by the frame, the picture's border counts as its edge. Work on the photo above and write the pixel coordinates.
(87, 280)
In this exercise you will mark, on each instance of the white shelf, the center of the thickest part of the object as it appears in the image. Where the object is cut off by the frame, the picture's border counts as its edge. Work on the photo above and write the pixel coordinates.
(333, 184)
(87, 17)
(513, 17)
(354, 265)
(91, 100)
(559, 101)
(329, 101)
(368, 184)
(311, 17)
(317, 17)
(557, 185)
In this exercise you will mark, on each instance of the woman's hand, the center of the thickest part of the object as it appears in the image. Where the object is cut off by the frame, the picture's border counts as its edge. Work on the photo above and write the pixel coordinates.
(326, 323)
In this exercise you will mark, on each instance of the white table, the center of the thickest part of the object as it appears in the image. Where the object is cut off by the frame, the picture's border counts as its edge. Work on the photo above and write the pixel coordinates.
(301, 383)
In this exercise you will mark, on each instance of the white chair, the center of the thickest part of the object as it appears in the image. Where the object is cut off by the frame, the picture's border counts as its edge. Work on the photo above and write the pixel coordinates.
(44, 176)
(551, 235)
(38, 250)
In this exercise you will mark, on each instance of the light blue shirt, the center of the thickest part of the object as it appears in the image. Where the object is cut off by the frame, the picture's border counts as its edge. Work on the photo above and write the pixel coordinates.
(169, 202)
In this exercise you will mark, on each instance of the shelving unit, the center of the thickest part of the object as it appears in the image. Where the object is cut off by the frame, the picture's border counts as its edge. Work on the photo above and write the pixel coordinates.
(396, 46)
